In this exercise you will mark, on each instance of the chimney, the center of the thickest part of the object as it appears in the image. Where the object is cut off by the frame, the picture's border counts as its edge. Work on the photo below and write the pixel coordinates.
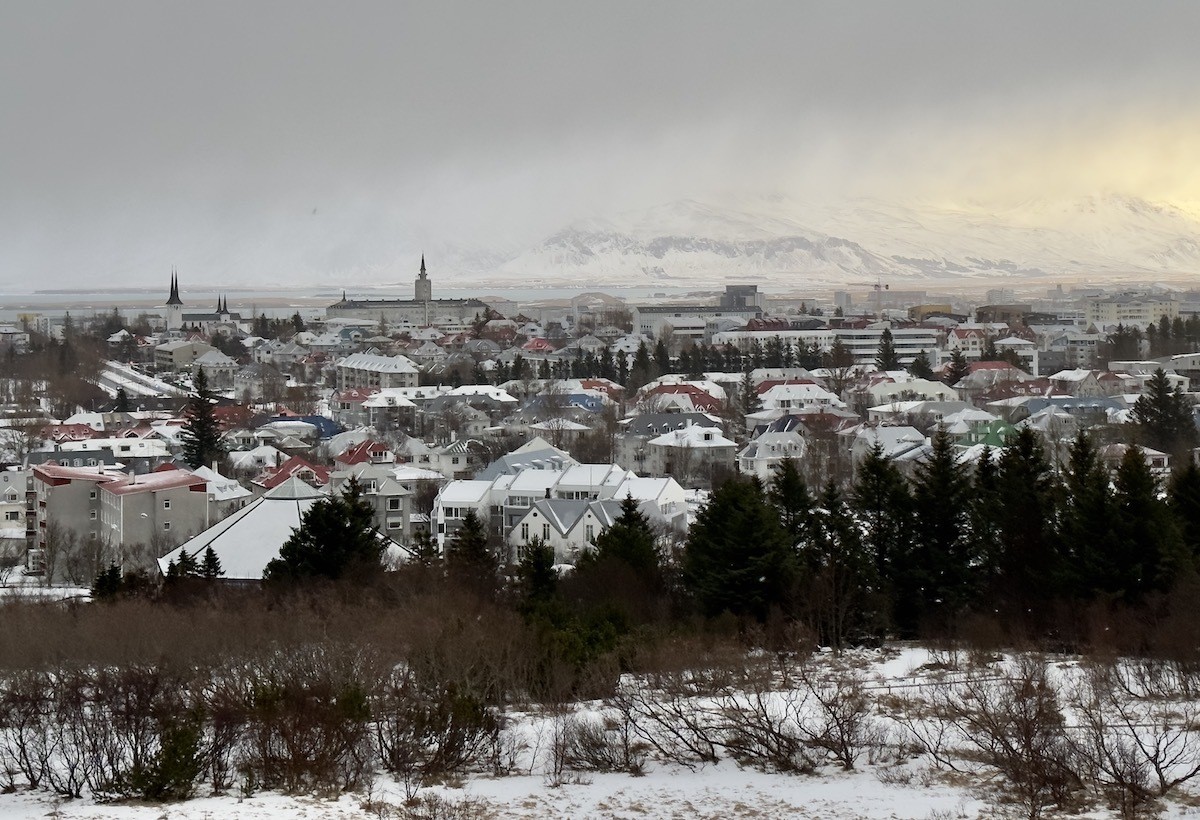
(547, 492)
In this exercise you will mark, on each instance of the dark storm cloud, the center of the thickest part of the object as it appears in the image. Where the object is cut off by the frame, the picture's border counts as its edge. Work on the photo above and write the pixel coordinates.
(137, 135)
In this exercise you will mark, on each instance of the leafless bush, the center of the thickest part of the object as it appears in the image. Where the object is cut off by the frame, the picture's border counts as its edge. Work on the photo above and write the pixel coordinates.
(1014, 725)
(1138, 747)
(309, 720)
(26, 718)
(603, 744)
(432, 729)
(670, 719)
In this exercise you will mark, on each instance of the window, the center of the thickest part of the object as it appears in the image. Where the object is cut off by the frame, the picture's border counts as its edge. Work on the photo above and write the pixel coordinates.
(545, 532)
(393, 525)
(454, 460)
(166, 503)
(524, 532)
(12, 516)
(92, 515)
(166, 526)
(393, 503)
(589, 533)
(92, 495)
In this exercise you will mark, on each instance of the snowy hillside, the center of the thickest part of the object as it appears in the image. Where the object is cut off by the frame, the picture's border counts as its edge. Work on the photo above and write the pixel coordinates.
(776, 240)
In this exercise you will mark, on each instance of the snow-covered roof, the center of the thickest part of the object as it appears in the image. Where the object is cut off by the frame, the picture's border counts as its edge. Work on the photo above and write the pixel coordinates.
(250, 538)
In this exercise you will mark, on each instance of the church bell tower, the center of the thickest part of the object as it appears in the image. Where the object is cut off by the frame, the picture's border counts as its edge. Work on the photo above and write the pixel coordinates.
(424, 288)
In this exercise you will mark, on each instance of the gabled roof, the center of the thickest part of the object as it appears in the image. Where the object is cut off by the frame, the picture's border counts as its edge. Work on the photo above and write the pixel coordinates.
(248, 540)
(295, 465)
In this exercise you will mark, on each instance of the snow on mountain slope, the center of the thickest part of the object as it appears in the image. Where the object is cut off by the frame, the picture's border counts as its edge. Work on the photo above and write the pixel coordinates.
(782, 241)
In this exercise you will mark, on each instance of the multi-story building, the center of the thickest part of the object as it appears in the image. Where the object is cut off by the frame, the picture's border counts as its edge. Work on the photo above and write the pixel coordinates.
(506, 499)
(1130, 309)
(390, 502)
(134, 517)
(374, 371)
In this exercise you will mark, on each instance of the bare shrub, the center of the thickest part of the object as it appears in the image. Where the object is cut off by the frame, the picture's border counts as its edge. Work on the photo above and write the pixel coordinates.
(1138, 746)
(309, 720)
(603, 744)
(26, 745)
(1014, 725)
(670, 719)
(431, 729)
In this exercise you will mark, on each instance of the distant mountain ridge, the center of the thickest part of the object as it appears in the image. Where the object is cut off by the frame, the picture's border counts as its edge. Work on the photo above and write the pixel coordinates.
(776, 241)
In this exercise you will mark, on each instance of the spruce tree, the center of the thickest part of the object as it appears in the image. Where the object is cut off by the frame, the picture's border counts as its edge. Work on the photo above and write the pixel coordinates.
(1031, 570)
(210, 566)
(789, 495)
(536, 574)
(201, 434)
(748, 399)
(1183, 495)
(1087, 518)
(630, 541)
(935, 579)
(958, 369)
(737, 557)
(121, 404)
(919, 366)
(336, 540)
(839, 581)
(1149, 552)
(1164, 417)
(469, 557)
(662, 358)
(642, 370)
(883, 506)
(886, 358)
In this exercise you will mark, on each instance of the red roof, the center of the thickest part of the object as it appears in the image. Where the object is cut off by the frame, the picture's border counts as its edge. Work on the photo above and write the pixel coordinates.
(700, 399)
(767, 384)
(363, 452)
(156, 481)
(274, 476)
(355, 395)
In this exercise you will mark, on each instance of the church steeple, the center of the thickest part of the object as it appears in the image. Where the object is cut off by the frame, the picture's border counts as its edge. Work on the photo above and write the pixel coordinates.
(173, 298)
(424, 288)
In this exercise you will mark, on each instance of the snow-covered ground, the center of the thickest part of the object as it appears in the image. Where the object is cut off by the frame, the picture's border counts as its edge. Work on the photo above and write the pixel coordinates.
(887, 785)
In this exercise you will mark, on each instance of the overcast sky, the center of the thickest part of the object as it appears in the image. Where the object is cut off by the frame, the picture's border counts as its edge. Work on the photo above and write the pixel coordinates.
(245, 139)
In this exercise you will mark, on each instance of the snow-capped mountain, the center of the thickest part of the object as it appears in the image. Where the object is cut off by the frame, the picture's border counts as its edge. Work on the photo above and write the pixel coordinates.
(784, 242)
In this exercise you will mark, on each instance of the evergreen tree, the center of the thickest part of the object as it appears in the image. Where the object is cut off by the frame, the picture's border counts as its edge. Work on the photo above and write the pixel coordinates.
(210, 566)
(107, 585)
(738, 558)
(1183, 495)
(838, 590)
(336, 539)
(469, 557)
(748, 399)
(935, 580)
(630, 540)
(886, 358)
(642, 370)
(789, 495)
(919, 366)
(1164, 417)
(424, 549)
(958, 369)
(1149, 554)
(121, 404)
(1087, 518)
(662, 358)
(883, 505)
(201, 434)
(536, 575)
(1031, 566)
(989, 352)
